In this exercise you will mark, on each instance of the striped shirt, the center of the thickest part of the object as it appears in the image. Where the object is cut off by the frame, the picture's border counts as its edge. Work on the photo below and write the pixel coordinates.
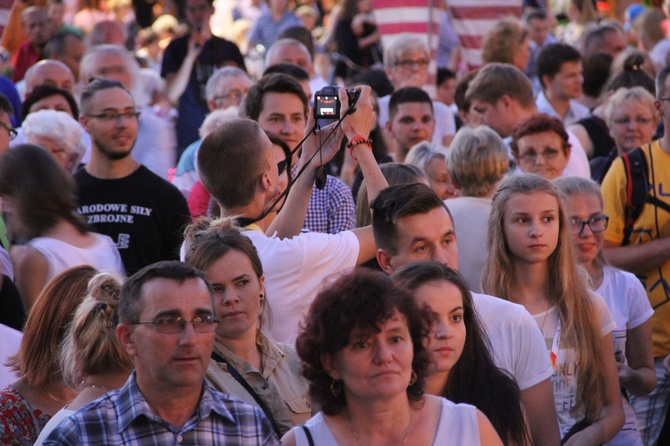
(124, 417)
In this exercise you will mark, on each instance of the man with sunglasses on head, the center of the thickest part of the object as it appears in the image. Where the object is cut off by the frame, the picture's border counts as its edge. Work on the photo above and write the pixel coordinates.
(141, 212)
(166, 399)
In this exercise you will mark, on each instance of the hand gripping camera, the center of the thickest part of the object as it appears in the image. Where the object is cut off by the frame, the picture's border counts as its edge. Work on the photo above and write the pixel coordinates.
(327, 103)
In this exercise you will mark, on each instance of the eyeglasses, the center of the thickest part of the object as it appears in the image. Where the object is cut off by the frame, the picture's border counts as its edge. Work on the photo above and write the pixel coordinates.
(596, 224)
(547, 154)
(236, 95)
(281, 166)
(667, 98)
(177, 324)
(421, 63)
(116, 116)
(627, 121)
(11, 130)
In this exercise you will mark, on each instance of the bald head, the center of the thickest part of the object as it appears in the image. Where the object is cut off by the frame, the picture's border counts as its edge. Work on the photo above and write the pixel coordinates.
(289, 51)
(49, 72)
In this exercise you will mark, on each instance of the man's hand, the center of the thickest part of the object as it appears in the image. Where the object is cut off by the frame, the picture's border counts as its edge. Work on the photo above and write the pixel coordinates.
(199, 36)
(358, 123)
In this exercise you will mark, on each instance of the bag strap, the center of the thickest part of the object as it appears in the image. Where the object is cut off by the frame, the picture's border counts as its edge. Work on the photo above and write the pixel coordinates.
(637, 189)
(240, 379)
(308, 434)
(637, 186)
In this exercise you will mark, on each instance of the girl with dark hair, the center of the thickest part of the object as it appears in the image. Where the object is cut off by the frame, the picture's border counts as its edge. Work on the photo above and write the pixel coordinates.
(363, 352)
(40, 202)
(462, 369)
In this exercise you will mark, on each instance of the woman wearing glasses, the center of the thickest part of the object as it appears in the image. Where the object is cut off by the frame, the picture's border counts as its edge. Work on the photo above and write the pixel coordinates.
(623, 293)
(540, 146)
(245, 363)
(631, 117)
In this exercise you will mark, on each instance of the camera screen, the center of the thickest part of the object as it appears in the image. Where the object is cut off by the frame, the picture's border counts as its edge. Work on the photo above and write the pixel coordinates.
(326, 106)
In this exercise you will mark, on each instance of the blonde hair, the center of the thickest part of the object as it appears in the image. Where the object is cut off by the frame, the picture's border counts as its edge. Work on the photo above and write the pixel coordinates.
(91, 346)
(478, 160)
(567, 287)
(570, 186)
(624, 96)
(502, 42)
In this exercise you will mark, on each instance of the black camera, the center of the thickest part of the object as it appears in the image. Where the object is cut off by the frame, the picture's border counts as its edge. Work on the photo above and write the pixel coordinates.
(327, 103)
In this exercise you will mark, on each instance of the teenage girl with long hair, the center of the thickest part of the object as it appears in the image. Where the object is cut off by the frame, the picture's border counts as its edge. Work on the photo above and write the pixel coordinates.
(531, 263)
(623, 292)
(461, 367)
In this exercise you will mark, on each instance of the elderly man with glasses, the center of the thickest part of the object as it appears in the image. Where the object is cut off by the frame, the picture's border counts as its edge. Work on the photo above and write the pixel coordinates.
(166, 399)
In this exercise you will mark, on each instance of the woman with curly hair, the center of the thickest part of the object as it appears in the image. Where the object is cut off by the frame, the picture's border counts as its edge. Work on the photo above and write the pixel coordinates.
(363, 352)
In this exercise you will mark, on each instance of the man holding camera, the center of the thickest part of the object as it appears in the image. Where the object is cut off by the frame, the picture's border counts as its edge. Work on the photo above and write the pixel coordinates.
(237, 167)
(279, 104)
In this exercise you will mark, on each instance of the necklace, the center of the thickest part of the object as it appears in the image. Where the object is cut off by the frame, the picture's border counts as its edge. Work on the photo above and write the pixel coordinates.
(358, 440)
(84, 385)
(55, 399)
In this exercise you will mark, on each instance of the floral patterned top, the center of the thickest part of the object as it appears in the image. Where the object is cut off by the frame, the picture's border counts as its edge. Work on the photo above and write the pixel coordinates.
(20, 422)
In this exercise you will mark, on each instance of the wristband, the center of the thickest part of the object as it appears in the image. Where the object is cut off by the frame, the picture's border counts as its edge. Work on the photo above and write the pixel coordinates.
(356, 140)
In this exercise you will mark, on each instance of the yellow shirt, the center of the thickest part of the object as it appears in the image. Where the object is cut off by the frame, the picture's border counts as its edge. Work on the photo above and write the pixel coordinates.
(653, 223)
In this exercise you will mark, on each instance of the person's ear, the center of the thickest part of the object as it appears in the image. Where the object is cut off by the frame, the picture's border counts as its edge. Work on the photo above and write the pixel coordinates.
(384, 260)
(329, 365)
(124, 333)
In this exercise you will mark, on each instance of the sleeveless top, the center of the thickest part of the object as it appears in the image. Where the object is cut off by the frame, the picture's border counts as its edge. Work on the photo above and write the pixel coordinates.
(599, 134)
(457, 426)
(101, 255)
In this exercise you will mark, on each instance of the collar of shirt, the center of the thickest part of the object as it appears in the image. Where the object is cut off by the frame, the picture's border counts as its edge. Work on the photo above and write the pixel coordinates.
(132, 405)
(271, 353)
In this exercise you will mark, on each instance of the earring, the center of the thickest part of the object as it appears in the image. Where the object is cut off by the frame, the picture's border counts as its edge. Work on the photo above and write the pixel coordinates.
(336, 387)
(413, 378)
(261, 296)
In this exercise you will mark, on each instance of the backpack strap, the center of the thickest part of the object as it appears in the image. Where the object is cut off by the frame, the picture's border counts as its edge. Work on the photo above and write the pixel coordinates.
(637, 189)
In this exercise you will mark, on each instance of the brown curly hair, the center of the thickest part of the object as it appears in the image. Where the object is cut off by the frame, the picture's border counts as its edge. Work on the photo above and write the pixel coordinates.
(363, 300)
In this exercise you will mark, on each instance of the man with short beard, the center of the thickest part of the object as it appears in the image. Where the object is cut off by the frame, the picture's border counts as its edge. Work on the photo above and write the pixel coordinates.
(121, 198)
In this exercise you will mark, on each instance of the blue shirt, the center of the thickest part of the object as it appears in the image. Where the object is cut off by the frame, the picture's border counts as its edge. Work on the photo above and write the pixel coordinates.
(124, 417)
(266, 30)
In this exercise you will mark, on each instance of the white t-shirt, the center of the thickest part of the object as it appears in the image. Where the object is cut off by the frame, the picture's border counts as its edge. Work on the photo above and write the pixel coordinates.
(564, 378)
(295, 270)
(445, 124)
(516, 343)
(471, 216)
(627, 301)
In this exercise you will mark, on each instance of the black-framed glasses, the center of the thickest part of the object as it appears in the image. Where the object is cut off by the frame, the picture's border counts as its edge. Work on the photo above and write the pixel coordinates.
(421, 63)
(281, 166)
(667, 98)
(11, 130)
(177, 324)
(116, 116)
(597, 224)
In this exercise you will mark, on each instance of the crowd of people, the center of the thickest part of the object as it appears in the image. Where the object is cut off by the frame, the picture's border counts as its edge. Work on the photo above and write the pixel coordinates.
(465, 243)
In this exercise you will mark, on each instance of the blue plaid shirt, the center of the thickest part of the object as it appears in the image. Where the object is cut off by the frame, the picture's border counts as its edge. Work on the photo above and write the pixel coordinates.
(331, 210)
(124, 417)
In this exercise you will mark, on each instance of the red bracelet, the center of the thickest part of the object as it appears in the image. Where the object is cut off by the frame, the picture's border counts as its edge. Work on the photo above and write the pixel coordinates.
(356, 140)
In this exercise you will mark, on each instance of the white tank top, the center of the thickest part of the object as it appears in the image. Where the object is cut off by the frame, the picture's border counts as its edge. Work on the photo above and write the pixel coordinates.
(457, 425)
